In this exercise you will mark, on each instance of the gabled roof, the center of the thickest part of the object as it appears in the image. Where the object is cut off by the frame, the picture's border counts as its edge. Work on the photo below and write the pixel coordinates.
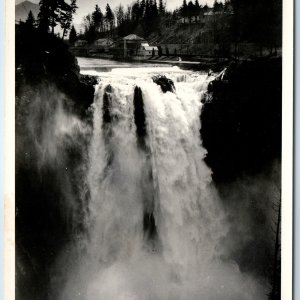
(133, 37)
(213, 13)
(150, 48)
(104, 41)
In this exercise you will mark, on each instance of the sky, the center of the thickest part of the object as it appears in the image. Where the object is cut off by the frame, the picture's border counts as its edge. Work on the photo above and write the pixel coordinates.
(87, 6)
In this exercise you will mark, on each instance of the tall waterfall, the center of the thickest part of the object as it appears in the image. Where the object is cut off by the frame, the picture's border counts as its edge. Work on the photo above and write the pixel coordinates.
(153, 224)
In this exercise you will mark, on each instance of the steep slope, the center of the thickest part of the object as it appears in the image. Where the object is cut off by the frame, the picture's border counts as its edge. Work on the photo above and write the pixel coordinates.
(22, 10)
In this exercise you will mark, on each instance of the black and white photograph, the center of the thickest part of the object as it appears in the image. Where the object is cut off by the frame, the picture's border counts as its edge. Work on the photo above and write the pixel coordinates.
(149, 141)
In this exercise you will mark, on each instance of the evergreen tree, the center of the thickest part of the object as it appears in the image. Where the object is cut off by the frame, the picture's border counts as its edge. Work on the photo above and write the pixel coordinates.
(45, 15)
(154, 11)
(142, 8)
(205, 8)
(97, 18)
(72, 35)
(227, 5)
(151, 9)
(66, 16)
(184, 9)
(135, 11)
(218, 6)
(120, 14)
(190, 10)
(30, 21)
(150, 20)
(161, 7)
(197, 9)
(128, 14)
(147, 9)
(53, 12)
(109, 16)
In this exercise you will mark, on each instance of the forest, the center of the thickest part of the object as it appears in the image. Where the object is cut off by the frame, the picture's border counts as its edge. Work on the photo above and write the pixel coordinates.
(228, 23)
(232, 21)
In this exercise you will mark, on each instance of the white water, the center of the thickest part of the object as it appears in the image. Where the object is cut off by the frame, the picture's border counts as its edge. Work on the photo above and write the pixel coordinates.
(116, 261)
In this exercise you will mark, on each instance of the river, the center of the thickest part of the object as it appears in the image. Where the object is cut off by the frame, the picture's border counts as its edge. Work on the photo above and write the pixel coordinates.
(87, 64)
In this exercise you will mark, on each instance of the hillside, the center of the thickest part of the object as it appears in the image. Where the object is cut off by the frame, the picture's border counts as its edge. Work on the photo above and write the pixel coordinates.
(22, 10)
(176, 33)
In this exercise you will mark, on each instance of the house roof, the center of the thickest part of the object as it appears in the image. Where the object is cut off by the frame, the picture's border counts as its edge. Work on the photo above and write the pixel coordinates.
(150, 48)
(103, 42)
(133, 37)
(212, 13)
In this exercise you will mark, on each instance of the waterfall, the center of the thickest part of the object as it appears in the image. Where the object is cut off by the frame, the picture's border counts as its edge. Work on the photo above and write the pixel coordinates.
(154, 223)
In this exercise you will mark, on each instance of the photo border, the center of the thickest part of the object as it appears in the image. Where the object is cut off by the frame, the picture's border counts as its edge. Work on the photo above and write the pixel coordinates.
(287, 151)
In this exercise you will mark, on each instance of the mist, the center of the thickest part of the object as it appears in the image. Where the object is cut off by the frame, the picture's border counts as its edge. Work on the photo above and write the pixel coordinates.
(139, 220)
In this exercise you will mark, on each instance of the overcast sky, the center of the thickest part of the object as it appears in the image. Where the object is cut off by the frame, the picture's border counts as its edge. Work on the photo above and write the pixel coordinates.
(87, 6)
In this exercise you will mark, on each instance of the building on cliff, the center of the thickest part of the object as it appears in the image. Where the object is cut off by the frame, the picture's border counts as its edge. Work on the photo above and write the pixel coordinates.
(134, 46)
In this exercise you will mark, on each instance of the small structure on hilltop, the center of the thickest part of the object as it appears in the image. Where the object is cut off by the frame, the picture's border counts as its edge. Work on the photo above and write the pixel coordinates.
(80, 48)
(80, 43)
(135, 47)
(102, 45)
(146, 50)
(132, 44)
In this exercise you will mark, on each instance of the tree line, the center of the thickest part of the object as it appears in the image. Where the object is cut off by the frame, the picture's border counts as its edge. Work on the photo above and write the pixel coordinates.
(143, 16)
(53, 13)
(233, 21)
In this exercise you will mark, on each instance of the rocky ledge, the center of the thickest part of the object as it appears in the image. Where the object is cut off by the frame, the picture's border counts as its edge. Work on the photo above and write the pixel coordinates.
(241, 119)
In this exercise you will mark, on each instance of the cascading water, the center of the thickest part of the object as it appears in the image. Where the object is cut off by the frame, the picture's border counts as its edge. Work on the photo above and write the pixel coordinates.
(154, 224)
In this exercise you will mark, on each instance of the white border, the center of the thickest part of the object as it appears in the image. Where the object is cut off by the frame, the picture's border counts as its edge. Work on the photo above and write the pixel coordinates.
(297, 160)
(287, 150)
(9, 151)
(1, 147)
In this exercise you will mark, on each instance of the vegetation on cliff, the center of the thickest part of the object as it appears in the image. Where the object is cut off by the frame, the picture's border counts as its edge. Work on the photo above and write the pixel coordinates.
(49, 87)
(41, 57)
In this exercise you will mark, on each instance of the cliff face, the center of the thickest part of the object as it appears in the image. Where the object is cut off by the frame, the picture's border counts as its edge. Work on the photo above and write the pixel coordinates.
(241, 120)
(49, 92)
(241, 130)
(23, 8)
(42, 58)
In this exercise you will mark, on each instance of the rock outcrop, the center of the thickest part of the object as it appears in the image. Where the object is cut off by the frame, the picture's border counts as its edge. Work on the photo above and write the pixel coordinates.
(241, 119)
(166, 84)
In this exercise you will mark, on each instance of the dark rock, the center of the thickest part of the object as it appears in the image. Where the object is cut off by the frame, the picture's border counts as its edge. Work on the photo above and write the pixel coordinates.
(241, 119)
(166, 84)
(139, 117)
(149, 225)
(106, 106)
(45, 69)
(108, 89)
(43, 58)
